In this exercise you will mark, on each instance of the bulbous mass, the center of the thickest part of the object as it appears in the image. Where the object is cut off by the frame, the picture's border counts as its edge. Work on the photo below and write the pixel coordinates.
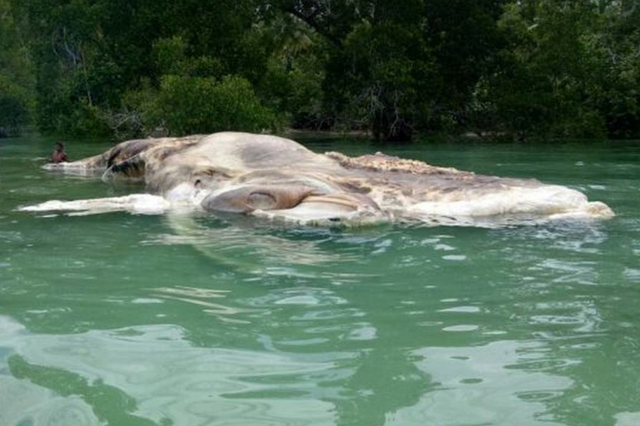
(277, 178)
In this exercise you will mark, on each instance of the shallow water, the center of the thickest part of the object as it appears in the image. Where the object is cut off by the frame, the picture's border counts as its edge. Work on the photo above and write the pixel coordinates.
(173, 320)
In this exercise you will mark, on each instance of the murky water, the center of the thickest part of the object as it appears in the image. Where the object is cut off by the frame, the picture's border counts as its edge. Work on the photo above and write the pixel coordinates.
(171, 320)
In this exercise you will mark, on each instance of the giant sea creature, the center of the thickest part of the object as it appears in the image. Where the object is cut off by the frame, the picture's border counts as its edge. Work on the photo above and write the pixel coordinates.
(279, 179)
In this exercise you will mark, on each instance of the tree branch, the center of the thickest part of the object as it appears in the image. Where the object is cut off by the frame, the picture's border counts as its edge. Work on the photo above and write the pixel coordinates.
(312, 21)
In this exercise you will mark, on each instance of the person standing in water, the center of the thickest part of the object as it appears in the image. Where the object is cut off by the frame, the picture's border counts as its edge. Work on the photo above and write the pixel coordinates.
(59, 156)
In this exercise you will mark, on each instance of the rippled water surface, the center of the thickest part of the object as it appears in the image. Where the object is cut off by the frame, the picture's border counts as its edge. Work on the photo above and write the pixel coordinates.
(124, 320)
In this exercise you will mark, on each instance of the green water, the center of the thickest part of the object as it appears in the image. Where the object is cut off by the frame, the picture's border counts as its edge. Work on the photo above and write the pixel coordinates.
(160, 320)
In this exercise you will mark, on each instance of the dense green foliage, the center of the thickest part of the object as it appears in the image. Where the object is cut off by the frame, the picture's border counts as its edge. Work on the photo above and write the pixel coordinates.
(523, 69)
(16, 91)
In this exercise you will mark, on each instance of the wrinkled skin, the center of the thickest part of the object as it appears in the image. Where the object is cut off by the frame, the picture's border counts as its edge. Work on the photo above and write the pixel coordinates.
(277, 178)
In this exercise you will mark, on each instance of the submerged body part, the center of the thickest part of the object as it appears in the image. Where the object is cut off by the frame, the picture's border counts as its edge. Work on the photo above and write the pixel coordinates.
(277, 178)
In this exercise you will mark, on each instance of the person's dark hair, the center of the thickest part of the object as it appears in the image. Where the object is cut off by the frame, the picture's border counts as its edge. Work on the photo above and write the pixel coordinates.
(59, 146)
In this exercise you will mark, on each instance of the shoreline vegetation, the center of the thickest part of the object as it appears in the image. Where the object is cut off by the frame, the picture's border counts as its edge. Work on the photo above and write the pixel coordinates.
(392, 71)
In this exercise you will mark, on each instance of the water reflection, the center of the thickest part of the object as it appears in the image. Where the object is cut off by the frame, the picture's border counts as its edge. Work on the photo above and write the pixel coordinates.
(201, 297)
(248, 245)
(152, 375)
(476, 384)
